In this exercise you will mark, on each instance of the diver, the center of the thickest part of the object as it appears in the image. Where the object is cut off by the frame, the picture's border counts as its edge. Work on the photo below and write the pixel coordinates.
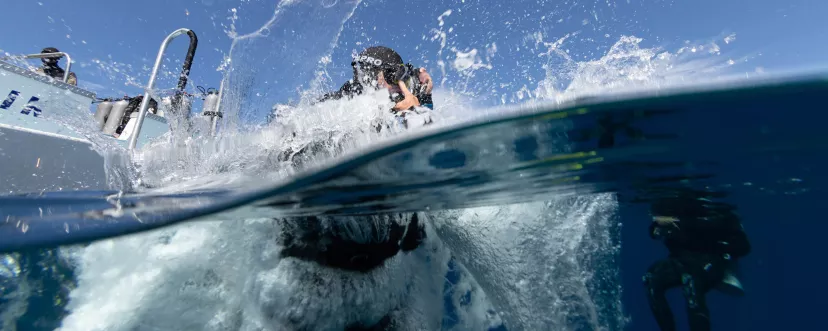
(331, 242)
(360, 245)
(376, 67)
(356, 245)
(50, 67)
(704, 239)
(381, 67)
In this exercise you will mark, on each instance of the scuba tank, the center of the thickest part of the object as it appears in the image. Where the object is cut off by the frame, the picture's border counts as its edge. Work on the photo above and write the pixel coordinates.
(202, 125)
(102, 111)
(115, 116)
(210, 103)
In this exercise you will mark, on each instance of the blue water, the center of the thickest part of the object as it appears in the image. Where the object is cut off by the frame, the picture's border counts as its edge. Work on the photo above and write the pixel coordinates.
(779, 193)
(782, 275)
(768, 162)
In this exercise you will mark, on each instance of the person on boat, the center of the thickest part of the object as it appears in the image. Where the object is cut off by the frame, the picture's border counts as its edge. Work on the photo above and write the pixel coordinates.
(50, 67)
(382, 67)
(704, 240)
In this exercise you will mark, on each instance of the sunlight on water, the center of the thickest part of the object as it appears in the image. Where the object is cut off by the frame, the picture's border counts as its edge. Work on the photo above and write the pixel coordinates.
(531, 266)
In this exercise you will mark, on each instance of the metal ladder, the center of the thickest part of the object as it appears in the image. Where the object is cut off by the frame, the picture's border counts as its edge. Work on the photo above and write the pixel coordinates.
(182, 81)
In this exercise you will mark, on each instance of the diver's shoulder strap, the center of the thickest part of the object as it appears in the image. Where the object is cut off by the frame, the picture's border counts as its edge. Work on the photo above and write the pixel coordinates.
(349, 89)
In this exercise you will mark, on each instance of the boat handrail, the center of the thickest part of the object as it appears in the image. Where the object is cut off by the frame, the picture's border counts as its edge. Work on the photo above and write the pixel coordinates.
(55, 55)
(182, 82)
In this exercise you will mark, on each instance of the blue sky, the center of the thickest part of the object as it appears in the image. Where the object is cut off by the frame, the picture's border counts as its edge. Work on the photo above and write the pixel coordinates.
(113, 43)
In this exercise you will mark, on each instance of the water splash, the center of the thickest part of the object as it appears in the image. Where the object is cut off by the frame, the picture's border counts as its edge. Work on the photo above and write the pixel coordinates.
(538, 265)
(547, 257)
(253, 83)
(625, 68)
(537, 262)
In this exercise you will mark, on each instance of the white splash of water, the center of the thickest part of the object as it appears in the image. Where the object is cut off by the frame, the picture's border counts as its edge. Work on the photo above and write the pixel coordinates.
(533, 260)
(246, 74)
(627, 67)
(440, 34)
(220, 276)
(14, 291)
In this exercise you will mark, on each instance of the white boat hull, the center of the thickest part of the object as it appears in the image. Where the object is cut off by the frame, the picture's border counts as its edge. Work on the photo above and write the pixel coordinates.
(38, 150)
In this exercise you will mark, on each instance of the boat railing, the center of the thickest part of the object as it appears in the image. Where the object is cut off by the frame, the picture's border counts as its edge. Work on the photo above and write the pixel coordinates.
(55, 55)
(182, 82)
(177, 105)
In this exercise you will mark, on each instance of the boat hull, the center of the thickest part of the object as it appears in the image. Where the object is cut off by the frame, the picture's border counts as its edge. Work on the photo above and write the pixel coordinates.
(43, 136)
(33, 162)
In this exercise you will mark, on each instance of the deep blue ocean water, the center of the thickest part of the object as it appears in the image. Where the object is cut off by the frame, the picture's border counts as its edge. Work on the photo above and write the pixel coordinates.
(781, 276)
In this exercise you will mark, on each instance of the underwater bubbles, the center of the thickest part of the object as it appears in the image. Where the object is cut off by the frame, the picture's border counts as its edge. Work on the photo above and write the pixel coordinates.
(264, 32)
(328, 3)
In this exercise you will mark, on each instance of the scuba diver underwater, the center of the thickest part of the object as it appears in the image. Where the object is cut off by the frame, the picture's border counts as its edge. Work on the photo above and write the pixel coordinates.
(705, 239)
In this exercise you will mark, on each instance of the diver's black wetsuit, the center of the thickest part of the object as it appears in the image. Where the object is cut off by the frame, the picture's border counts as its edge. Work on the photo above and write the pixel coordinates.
(358, 244)
(335, 245)
(380, 59)
(708, 239)
(353, 88)
(52, 70)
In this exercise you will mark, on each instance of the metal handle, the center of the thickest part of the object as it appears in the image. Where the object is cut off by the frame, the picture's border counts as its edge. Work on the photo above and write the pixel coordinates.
(54, 55)
(182, 82)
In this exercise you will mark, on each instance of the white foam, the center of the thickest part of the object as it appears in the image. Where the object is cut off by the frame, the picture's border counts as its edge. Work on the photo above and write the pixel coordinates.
(532, 259)
(14, 291)
(218, 276)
